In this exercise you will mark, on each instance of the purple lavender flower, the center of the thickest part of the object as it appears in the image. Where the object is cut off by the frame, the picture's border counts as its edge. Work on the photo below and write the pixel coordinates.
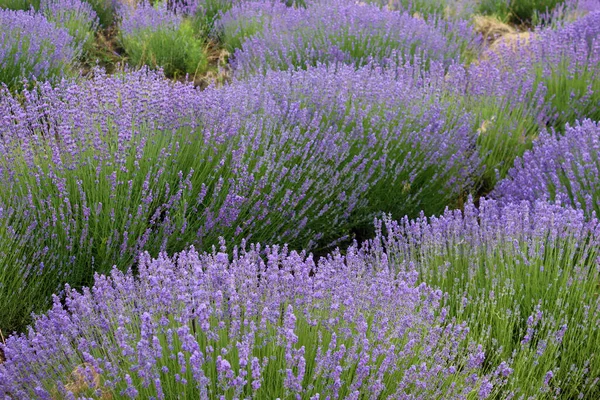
(33, 48)
(527, 271)
(562, 169)
(318, 341)
(128, 163)
(76, 16)
(341, 32)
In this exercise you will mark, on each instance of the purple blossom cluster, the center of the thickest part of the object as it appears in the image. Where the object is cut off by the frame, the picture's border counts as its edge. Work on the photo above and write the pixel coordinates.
(32, 48)
(76, 16)
(262, 323)
(96, 172)
(564, 169)
(339, 31)
(523, 276)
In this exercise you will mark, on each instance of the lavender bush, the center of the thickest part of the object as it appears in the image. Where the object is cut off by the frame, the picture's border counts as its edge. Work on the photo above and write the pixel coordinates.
(96, 172)
(342, 32)
(246, 20)
(31, 47)
(76, 16)
(282, 326)
(429, 8)
(524, 277)
(566, 62)
(562, 169)
(158, 37)
(509, 109)
(520, 87)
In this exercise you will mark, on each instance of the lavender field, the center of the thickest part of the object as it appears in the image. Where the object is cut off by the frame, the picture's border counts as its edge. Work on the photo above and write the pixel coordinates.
(299, 199)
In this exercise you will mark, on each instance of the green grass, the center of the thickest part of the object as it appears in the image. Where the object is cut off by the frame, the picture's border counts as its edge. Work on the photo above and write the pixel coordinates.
(178, 52)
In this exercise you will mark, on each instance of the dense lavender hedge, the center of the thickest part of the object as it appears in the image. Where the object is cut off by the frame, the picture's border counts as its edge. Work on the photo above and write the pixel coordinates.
(95, 172)
(337, 31)
(564, 169)
(32, 47)
(282, 326)
(524, 277)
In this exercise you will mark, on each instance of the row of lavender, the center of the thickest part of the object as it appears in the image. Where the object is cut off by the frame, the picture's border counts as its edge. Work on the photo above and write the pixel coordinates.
(97, 172)
(520, 318)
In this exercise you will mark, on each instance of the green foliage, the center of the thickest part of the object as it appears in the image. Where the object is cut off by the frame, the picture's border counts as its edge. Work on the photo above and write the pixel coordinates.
(105, 10)
(20, 4)
(177, 51)
(518, 11)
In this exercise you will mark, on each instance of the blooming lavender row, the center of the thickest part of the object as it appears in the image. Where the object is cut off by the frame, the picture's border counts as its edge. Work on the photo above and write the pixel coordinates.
(338, 31)
(265, 323)
(32, 47)
(97, 172)
(524, 277)
(562, 169)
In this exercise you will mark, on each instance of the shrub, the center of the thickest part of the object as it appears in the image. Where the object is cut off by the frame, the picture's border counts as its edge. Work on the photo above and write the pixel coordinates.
(562, 169)
(76, 16)
(518, 11)
(508, 106)
(135, 163)
(341, 32)
(544, 80)
(106, 10)
(202, 326)
(23, 5)
(157, 37)
(430, 8)
(32, 48)
(524, 277)
(246, 20)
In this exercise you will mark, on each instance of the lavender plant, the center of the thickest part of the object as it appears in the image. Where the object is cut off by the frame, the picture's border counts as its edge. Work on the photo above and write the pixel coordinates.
(122, 165)
(158, 37)
(519, 88)
(33, 48)
(524, 277)
(246, 20)
(429, 8)
(282, 326)
(76, 16)
(341, 32)
(509, 109)
(562, 169)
